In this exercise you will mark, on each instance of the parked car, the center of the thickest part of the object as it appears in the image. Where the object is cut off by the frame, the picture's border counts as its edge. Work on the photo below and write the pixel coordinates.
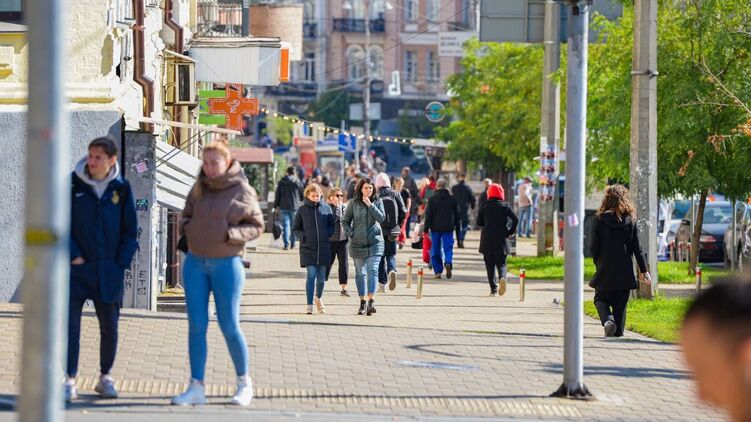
(742, 247)
(717, 217)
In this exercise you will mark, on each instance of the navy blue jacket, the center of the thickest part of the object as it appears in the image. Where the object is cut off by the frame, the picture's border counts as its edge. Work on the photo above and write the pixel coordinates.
(314, 225)
(104, 232)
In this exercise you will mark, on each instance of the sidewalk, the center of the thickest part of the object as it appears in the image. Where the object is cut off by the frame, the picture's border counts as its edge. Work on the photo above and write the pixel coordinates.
(455, 352)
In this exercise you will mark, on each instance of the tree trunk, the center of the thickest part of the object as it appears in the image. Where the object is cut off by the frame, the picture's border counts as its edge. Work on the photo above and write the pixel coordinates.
(697, 233)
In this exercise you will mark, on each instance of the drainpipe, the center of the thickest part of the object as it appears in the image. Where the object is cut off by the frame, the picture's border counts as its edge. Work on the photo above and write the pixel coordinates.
(139, 50)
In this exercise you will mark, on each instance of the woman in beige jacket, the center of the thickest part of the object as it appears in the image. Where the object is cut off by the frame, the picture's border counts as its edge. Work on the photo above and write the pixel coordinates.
(220, 215)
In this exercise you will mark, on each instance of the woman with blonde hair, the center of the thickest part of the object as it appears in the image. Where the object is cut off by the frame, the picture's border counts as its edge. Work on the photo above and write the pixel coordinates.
(221, 214)
(314, 224)
(615, 241)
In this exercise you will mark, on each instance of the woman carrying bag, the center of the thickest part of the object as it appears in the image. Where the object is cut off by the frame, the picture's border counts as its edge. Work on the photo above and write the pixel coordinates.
(614, 242)
(338, 241)
(493, 217)
(221, 214)
(362, 223)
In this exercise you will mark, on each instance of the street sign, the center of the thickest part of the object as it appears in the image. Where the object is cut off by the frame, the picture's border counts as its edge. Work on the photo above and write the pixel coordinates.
(451, 43)
(435, 111)
(347, 142)
(523, 20)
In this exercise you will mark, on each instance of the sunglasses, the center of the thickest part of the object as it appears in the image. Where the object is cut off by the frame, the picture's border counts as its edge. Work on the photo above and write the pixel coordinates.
(339, 195)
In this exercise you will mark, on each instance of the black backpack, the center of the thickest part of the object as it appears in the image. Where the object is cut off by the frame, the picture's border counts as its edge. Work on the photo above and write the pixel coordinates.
(391, 209)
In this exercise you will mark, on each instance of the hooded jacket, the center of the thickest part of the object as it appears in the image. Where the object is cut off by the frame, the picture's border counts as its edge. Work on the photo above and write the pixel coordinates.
(363, 227)
(494, 218)
(288, 194)
(442, 213)
(224, 217)
(614, 242)
(314, 224)
(104, 232)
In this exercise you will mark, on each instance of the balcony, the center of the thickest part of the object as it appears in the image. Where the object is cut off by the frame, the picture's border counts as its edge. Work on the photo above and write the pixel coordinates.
(459, 26)
(305, 89)
(358, 25)
(219, 20)
(310, 29)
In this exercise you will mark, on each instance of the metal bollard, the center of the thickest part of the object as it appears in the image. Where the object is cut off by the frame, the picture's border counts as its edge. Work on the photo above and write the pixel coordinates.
(409, 273)
(698, 279)
(522, 286)
(420, 277)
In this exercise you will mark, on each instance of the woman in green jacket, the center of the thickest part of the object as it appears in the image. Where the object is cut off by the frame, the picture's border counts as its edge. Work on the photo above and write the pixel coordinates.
(361, 222)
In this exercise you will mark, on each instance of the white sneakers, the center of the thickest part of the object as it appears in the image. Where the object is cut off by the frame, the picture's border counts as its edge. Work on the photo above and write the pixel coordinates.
(502, 286)
(195, 394)
(71, 392)
(106, 387)
(319, 305)
(381, 288)
(244, 394)
(392, 280)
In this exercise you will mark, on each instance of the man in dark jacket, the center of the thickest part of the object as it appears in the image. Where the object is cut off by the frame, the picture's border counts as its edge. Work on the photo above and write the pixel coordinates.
(411, 186)
(103, 240)
(286, 202)
(466, 200)
(441, 220)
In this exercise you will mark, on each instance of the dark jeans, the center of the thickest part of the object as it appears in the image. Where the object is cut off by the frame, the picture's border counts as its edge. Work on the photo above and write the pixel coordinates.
(464, 217)
(388, 264)
(611, 305)
(108, 315)
(339, 250)
(495, 261)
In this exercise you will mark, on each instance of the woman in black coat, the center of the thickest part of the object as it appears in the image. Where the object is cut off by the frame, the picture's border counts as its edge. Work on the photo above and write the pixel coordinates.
(614, 242)
(493, 217)
(314, 224)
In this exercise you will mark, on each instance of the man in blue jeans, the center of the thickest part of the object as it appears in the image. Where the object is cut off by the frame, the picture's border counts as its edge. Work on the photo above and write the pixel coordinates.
(286, 201)
(442, 219)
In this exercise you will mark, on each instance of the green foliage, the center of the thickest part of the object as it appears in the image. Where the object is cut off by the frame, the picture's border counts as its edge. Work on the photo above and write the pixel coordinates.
(497, 106)
(659, 318)
(281, 130)
(703, 91)
(330, 108)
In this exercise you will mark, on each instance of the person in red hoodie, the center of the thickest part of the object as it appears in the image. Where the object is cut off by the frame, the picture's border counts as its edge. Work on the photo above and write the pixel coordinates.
(493, 217)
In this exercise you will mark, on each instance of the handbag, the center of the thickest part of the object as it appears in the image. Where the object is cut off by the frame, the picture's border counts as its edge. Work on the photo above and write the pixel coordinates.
(182, 244)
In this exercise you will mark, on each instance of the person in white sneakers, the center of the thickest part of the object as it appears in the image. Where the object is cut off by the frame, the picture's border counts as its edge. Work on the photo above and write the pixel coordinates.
(214, 263)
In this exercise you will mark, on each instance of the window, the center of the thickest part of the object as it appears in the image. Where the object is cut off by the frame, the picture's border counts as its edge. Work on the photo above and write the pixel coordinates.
(410, 66)
(11, 10)
(376, 58)
(434, 10)
(355, 62)
(434, 67)
(411, 8)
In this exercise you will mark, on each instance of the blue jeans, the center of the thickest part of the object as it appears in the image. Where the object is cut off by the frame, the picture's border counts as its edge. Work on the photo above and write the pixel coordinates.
(225, 277)
(366, 269)
(525, 221)
(316, 281)
(465, 225)
(441, 242)
(387, 264)
(288, 218)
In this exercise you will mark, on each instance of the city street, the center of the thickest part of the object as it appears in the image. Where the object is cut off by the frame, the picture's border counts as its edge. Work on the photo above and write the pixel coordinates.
(455, 352)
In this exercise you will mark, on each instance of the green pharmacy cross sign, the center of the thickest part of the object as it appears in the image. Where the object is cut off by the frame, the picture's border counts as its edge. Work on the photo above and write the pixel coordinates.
(435, 111)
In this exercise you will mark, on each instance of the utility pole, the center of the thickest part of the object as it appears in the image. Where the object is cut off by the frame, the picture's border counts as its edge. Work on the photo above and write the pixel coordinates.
(246, 18)
(550, 129)
(576, 130)
(366, 92)
(644, 133)
(45, 284)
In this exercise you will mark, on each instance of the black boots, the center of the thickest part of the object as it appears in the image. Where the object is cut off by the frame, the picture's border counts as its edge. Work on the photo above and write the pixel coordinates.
(371, 308)
(460, 243)
(361, 311)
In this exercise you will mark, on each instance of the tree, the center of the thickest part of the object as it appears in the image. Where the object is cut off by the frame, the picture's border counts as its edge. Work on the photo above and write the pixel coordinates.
(280, 130)
(497, 106)
(330, 108)
(702, 97)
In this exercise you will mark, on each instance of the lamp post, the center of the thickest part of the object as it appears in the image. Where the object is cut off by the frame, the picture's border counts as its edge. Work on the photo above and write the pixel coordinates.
(368, 75)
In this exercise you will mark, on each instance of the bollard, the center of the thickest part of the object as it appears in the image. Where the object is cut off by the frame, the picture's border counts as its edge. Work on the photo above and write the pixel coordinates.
(419, 282)
(409, 273)
(698, 279)
(522, 287)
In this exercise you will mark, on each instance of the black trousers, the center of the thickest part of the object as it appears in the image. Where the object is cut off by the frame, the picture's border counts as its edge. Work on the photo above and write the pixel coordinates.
(339, 250)
(493, 262)
(611, 305)
(108, 315)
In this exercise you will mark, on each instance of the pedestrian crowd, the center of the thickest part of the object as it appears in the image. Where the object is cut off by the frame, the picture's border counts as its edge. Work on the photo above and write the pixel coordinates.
(367, 219)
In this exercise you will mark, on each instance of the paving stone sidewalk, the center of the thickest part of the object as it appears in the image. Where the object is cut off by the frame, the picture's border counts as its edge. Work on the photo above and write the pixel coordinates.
(455, 352)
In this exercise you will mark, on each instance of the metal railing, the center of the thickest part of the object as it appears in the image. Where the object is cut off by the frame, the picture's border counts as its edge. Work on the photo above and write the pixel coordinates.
(358, 25)
(220, 20)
